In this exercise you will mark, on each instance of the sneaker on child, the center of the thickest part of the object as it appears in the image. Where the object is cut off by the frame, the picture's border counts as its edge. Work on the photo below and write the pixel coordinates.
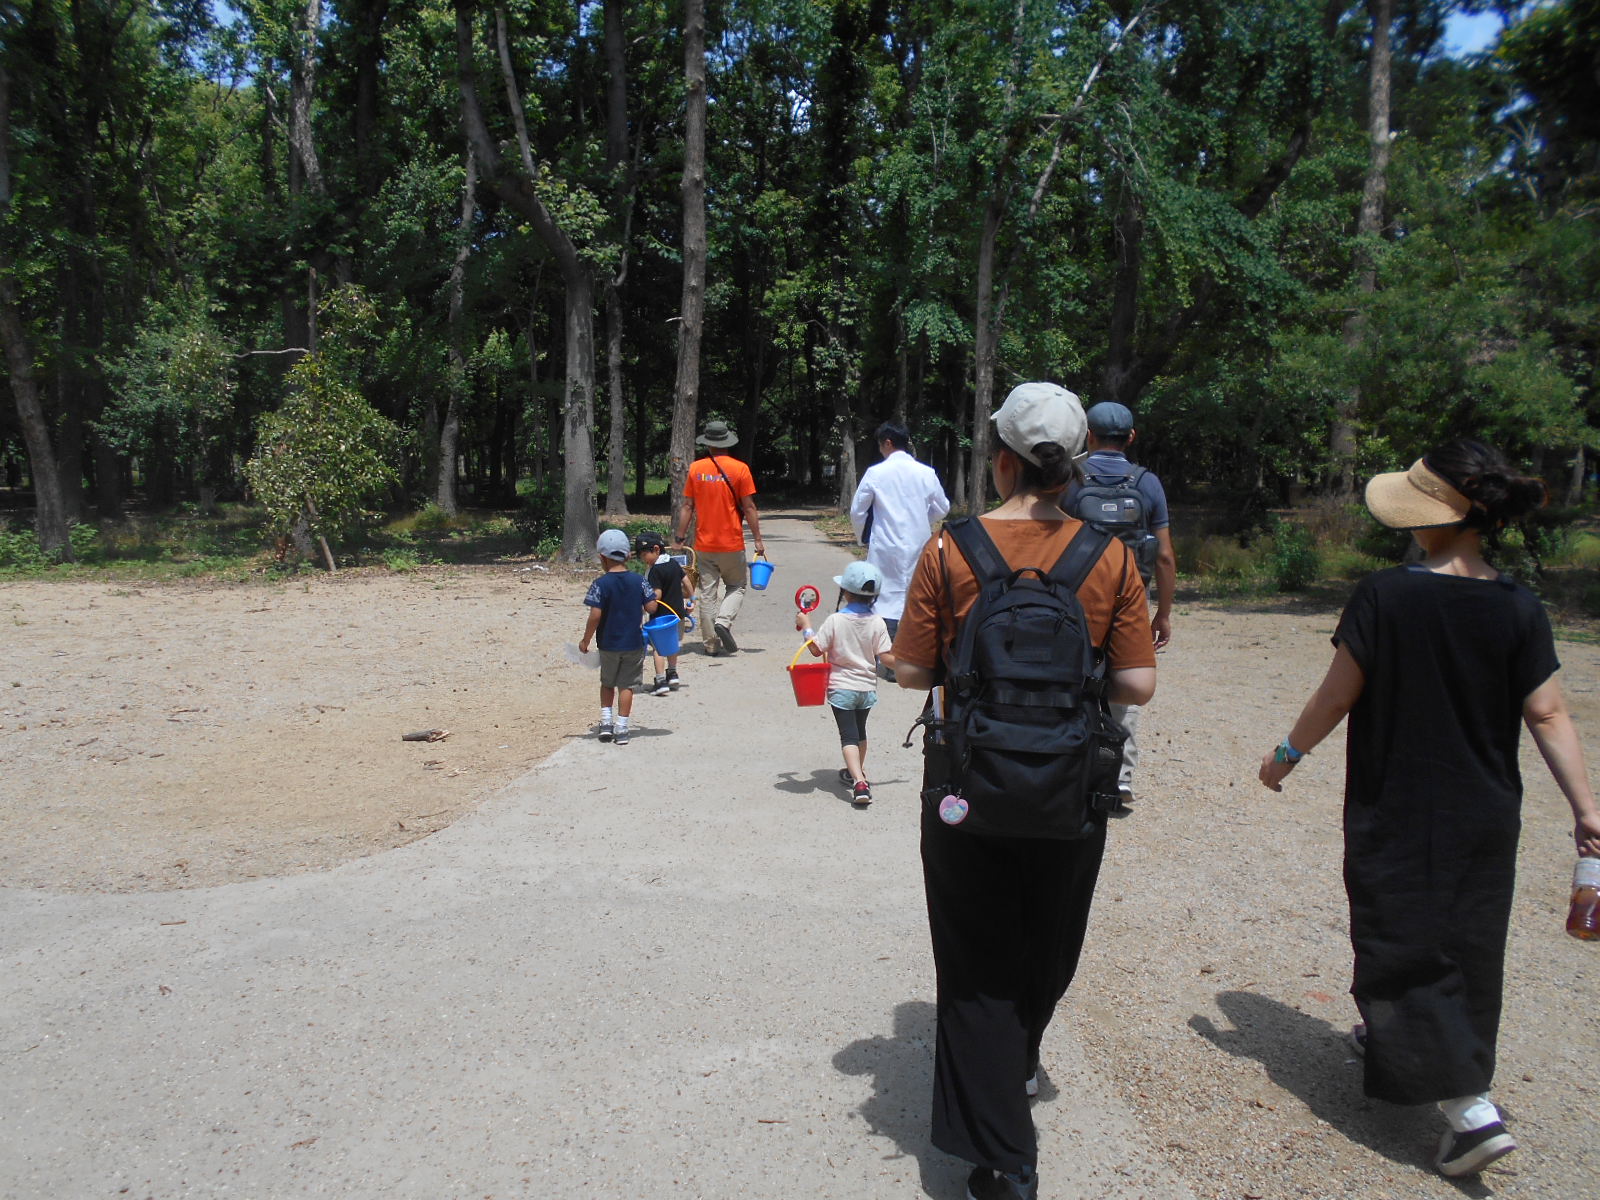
(659, 688)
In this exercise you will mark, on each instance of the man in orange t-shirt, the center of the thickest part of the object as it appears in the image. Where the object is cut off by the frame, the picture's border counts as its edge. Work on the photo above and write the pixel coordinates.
(719, 499)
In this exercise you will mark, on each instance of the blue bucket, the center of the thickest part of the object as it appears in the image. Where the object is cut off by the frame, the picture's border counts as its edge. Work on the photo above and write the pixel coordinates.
(663, 634)
(760, 574)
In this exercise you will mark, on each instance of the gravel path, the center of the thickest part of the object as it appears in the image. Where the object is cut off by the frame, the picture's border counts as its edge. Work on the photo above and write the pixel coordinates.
(687, 967)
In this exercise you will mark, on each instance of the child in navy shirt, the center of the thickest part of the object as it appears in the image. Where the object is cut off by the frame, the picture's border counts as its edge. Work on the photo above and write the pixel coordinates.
(666, 579)
(619, 601)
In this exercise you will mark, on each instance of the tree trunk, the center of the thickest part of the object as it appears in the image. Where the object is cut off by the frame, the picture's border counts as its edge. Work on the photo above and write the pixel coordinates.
(450, 430)
(1575, 478)
(686, 393)
(985, 344)
(1369, 225)
(49, 508)
(617, 443)
(516, 188)
(621, 190)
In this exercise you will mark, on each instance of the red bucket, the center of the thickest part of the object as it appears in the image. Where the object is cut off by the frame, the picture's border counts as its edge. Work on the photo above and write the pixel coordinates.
(809, 680)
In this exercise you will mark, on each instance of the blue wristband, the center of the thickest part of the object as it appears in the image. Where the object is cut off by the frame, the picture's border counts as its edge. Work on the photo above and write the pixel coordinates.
(1286, 753)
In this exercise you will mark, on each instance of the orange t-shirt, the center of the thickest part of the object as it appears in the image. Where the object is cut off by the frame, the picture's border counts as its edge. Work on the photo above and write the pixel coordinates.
(719, 524)
(1112, 596)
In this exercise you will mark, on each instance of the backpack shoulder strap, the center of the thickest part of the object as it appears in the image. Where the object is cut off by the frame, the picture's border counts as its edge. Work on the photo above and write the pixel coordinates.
(978, 548)
(1080, 556)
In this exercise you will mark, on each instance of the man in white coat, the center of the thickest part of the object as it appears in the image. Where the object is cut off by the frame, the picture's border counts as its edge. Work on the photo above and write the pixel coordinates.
(894, 512)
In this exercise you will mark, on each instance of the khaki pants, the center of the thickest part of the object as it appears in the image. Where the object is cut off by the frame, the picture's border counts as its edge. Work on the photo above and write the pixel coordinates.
(1127, 715)
(723, 580)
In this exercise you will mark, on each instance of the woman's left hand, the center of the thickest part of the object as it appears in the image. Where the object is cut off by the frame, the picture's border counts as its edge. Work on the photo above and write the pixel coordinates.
(1586, 832)
(1272, 771)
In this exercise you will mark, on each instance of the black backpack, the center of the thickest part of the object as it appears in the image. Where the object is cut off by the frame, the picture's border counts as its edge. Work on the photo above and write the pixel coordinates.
(1115, 504)
(1025, 746)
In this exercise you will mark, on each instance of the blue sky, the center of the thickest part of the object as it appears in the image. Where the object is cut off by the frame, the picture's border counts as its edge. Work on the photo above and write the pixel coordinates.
(1468, 35)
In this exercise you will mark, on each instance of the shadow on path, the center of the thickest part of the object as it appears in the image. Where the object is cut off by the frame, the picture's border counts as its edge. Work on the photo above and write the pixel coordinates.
(1308, 1057)
(901, 1066)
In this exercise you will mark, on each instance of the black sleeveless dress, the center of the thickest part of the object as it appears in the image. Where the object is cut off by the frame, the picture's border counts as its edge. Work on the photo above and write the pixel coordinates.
(1433, 799)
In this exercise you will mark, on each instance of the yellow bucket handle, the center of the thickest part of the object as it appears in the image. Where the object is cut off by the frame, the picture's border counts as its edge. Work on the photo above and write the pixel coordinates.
(802, 650)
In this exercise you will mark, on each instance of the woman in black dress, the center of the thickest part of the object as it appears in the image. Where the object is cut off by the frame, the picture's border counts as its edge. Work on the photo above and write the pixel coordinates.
(1437, 662)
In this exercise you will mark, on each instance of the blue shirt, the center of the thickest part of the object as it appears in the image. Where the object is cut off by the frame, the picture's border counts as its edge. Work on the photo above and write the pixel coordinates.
(620, 596)
(1112, 465)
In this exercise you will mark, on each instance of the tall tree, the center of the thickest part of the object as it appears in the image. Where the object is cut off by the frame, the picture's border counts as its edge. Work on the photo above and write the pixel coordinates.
(517, 184)
(50, 517)
(691, 313)
(450, 428)
(1369, 227)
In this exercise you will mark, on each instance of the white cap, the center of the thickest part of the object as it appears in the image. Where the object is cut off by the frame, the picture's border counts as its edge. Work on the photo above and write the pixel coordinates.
(1041, 412)
(613, 544)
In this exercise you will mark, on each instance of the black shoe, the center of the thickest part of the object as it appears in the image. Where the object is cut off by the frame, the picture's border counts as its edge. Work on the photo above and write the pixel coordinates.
(1468, 1153)
(984, 1184)
(607, 732)
(861, 794)
(659, 687)
(845, 777)
(672, 679)
(725, 636)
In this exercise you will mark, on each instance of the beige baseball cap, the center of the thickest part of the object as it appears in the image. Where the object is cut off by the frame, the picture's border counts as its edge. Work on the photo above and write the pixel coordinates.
(1041, 412)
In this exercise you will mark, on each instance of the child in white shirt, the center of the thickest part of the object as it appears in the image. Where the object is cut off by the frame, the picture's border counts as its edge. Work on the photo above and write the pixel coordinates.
(855, 639)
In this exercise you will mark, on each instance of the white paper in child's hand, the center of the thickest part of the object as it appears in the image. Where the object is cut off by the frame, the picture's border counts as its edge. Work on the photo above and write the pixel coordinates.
(591, 659)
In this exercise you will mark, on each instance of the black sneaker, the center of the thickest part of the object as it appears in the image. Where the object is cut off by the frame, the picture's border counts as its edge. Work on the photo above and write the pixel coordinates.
(861, 794)
(725, 636)
(659, 688)
(984, 1184)
(846, 778)
(672, 678)
(607, 732)
(622, 735)
(1468, 1153)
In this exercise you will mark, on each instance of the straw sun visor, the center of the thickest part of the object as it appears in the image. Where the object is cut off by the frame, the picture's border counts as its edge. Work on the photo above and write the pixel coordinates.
(1415, 499)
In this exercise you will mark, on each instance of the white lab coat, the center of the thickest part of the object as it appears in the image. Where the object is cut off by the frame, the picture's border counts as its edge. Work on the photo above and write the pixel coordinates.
(905, 500)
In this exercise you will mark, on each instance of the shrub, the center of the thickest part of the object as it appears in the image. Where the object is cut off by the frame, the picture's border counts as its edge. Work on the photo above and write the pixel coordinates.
(539, 518)
(1293, 557)
(434, 518)
(400, 558)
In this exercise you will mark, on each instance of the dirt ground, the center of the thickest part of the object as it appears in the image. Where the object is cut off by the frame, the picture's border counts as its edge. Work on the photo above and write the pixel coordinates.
(174, 736)
(160, 737)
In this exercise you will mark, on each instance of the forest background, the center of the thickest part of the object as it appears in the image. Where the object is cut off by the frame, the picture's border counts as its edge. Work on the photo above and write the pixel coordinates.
(327, 260)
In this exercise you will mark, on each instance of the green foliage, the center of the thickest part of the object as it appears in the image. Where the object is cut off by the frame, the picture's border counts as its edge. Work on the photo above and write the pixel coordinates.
(175, 389)
(538, 519)
(326, 453)
(1294, 561)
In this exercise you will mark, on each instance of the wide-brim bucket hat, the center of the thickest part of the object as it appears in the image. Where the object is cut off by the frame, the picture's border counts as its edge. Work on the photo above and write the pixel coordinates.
(1416, 498)
(717, 435)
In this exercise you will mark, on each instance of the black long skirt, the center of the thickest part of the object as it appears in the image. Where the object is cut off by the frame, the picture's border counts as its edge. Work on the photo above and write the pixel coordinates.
(1430, 904)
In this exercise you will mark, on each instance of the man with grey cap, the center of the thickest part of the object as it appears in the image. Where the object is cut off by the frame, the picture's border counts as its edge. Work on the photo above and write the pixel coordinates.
(719, 500)
(1105, 471)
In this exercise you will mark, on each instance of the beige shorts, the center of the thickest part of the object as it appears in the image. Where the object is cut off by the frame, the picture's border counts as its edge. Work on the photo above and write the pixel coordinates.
(622, 668)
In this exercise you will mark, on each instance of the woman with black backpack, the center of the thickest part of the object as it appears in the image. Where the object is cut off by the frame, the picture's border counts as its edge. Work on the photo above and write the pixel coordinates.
(1008, 913)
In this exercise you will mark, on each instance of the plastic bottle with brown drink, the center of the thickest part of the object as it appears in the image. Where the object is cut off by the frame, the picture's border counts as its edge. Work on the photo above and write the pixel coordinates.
(1583, 918)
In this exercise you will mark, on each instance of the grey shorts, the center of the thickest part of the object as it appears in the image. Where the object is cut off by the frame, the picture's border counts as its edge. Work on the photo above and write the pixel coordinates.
(622, 668)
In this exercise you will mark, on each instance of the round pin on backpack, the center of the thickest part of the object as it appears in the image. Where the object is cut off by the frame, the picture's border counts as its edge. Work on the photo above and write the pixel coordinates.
(953, 810)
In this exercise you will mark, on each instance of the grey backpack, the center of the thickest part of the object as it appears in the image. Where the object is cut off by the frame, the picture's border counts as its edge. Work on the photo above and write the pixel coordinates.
(1115, 504)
